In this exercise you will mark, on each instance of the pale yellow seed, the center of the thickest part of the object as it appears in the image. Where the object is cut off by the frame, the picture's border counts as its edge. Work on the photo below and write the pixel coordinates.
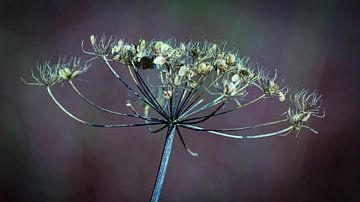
(281, 97)
(65, 73)
(92, 40)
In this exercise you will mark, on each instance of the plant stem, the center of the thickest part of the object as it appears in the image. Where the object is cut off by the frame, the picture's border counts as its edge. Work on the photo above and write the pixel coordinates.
(164, 162)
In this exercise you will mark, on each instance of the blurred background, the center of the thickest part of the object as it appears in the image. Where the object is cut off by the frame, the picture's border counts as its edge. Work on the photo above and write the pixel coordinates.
(46, 156)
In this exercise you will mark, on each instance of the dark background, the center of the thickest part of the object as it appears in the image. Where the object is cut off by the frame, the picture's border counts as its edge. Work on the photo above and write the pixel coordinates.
(45, 156)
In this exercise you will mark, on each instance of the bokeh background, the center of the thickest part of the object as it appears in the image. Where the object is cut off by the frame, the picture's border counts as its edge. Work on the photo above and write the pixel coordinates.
(45, 156)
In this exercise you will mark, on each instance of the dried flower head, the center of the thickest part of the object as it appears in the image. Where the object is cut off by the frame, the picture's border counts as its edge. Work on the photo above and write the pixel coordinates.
(270, 86)
(306, 105)
(180, 85)
(49, 74)
(71, 68)
(193, 78)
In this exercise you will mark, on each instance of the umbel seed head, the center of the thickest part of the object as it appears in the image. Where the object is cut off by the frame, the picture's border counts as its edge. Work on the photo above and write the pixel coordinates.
(185, 83)
(177, 86)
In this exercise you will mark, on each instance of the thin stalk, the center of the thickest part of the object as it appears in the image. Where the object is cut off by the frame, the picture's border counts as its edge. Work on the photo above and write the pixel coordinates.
(182, 96)
(107, 110)
(129, 88)
(186, 101)
(191, 107)
(206, 106)
(164, 162)
(149, 94)
(186, 109)
(263, 135)
(207, 116)
(242, 106)
(240, 128)
(184, 144)
(230, 110)
(97, 124)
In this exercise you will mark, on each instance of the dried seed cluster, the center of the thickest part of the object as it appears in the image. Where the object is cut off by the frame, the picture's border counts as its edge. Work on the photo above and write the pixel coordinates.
(191, 64)
(186, 72)
(179, 86)
(306, 105)
(49, 74)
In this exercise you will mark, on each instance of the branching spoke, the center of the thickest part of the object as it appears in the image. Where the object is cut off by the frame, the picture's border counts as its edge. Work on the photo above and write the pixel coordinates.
(188, 99)
(242, 106)
(87, 52)
(156, 107)
(241, 128)
(149, 93)
(171, 107)
(126, 85)
(311, 129)
(263, 135)
(191, 107)
(206, 106)
(180, 100)
(31, 83)
(96, 124)
(196, 90)
(107, 110)
(184, 144)
(206, 117)
(175, 101)
(146, 91)
(157, 130)
(184, 102)
(231, 110)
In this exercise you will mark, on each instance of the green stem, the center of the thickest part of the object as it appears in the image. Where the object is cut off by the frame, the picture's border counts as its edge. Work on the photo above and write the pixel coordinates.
(164, 162)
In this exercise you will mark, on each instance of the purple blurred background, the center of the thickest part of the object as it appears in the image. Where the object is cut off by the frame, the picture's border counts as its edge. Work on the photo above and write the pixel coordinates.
(45, 156)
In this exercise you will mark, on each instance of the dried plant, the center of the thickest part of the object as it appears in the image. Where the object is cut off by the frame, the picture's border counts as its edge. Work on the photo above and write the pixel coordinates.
(194, 82)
